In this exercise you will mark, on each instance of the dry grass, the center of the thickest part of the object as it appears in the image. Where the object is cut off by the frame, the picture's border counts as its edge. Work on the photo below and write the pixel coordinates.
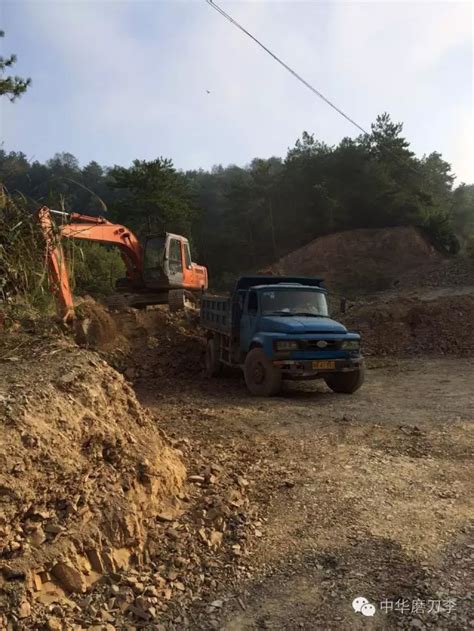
(23, 272)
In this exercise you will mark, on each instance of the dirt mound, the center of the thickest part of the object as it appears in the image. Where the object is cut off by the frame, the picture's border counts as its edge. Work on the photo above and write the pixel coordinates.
(98, 525)
(364, 259)
(410, 326)
(83, 470)
(152, 343)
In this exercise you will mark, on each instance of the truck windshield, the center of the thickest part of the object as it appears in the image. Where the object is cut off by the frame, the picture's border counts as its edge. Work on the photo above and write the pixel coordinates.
(293, 302)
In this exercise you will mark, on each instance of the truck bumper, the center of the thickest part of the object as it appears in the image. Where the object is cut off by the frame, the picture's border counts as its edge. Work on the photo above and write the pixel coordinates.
(309, 369)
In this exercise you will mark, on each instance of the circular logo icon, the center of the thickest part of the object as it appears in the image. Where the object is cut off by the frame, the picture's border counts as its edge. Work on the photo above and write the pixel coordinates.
(367, 610)
(321, 344)
(358, 603)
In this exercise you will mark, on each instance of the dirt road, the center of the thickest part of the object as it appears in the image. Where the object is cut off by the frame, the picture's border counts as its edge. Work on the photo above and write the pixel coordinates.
(364, 495)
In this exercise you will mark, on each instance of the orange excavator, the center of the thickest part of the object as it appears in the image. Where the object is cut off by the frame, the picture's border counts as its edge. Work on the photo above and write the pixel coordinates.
(158, 272)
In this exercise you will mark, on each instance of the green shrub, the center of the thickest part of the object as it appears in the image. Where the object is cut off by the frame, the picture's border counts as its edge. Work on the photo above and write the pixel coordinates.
(94, 268)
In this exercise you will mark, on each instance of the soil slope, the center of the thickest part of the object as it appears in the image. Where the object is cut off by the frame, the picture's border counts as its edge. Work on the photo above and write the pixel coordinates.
(369, 259)
(83, 468)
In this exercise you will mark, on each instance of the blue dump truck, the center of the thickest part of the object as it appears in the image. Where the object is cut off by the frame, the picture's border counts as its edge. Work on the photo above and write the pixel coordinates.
(278, 327)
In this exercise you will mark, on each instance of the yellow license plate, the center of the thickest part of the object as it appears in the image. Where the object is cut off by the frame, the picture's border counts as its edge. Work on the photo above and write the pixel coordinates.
(324, 365)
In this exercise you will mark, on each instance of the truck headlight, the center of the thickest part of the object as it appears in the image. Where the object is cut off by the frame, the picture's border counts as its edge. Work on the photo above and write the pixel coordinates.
(286, 345)
(351, 345)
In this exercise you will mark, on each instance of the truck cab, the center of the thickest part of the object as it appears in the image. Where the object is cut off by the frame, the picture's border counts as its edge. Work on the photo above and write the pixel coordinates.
(279, 328)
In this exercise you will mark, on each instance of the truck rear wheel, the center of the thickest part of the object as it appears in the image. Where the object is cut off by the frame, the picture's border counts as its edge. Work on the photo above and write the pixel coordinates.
(263, 379)
(213, 363)
(346, 382)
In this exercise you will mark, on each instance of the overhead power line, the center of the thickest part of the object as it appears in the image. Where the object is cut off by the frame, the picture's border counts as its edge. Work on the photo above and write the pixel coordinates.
(212, 4)
(286, 66)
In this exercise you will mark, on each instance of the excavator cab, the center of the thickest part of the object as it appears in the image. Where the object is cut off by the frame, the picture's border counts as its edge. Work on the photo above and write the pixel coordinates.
(168, 267)
(154, 257)
(166, 260)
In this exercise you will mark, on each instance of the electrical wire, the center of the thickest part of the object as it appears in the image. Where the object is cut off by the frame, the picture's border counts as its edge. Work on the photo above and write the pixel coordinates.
(319, 94)
(286, 66)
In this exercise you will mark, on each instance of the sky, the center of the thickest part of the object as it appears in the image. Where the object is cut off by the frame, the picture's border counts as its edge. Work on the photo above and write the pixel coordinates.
(118, 80)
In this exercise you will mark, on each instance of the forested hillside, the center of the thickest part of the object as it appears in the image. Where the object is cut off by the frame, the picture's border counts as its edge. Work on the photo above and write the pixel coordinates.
(242, 218)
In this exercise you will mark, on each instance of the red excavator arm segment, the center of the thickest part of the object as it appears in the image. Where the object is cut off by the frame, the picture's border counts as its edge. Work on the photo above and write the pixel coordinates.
(92, 229)
(103, 231)
(57, 269)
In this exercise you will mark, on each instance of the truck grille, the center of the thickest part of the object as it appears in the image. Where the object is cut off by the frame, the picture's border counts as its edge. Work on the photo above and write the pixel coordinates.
(312, 345)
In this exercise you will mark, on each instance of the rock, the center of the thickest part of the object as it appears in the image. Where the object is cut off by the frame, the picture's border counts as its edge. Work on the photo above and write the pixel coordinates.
(57, 611)
(95, 560)
(417, 624)
(53, 624)
(173, 533)
(37, 537)
(69, 577)
(106, 616)
(138, 612)
(67, 379)
(197, 479)
(53, 529)
(36, 582)
(24, 610)
(12, 574)
(235, 498)
(108, 561)
(165, 516)
(215, 538)
(217, 603)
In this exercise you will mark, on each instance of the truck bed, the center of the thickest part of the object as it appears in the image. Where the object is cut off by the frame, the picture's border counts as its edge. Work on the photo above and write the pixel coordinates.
(216, 314)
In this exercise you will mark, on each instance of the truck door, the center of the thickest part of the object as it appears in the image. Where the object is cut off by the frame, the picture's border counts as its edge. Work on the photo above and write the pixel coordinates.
(175, 263)
(249, 320)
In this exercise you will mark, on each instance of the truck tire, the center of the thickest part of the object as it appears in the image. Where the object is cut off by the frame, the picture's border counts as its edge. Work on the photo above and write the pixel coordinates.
(213, 363)
(346, 382)
(176, 300)
(263, 379)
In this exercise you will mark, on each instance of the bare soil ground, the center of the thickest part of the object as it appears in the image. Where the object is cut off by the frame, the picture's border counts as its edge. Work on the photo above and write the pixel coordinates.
(367, 495)
(292, 506)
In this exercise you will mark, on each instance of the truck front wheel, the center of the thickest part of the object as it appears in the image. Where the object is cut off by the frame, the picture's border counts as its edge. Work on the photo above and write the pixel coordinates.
(346, 382)
(263, 379)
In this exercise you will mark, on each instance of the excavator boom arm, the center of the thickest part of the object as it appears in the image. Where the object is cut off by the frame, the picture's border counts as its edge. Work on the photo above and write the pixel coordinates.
(91, 229)
(114, 234)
